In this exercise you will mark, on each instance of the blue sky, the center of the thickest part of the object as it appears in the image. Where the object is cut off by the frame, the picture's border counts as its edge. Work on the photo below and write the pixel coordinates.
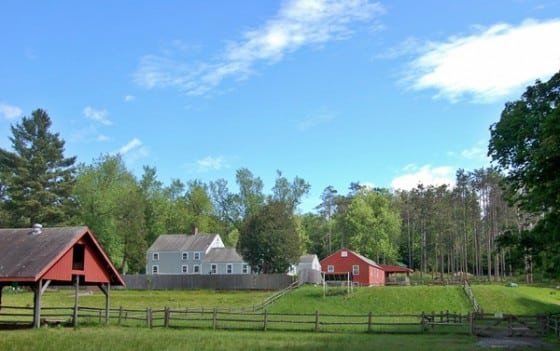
(382, 93)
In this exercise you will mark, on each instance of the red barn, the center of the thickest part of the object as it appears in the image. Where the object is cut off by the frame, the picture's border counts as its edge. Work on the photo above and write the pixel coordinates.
(362, 270)
(63, 256)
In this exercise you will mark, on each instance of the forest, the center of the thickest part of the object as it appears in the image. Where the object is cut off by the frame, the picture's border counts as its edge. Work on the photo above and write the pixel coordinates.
(493, 223)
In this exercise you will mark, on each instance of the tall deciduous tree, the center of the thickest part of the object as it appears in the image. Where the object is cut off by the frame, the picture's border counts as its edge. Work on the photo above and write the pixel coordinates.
(268, 240)
(37, 178)
(525, 144)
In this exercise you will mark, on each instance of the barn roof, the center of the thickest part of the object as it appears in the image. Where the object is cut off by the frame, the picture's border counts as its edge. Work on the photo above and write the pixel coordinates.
(395, 269)
(225, 254)
(27, 256)
(182, 242)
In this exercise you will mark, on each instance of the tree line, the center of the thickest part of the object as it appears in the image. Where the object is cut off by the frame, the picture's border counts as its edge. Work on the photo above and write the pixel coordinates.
(494, 222)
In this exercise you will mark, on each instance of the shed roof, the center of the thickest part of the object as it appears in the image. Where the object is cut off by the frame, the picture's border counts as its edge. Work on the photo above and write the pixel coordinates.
(223, 254)
(395, 269)
(182, 242)
(27, 256)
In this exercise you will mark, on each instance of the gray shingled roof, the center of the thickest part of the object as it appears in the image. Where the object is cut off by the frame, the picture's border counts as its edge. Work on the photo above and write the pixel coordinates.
(182, 242)
(307, 258)
(25, 256)
(225, 254)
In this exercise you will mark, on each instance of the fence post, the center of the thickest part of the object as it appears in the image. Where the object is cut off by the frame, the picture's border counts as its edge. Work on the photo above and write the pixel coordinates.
(422, 321)
(316, 321)
(265, 326)
(149, 317)
(214, 318)
(120, 315)
(471, 322)
(369, 323)
(166, 315)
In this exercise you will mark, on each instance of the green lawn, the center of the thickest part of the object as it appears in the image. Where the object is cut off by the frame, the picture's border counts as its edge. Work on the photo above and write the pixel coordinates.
(378, 300)
(139, 339)
(522, 300)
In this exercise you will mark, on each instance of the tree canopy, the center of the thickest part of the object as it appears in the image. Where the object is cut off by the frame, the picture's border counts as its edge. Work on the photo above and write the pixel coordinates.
(525, 145)
(37, 179)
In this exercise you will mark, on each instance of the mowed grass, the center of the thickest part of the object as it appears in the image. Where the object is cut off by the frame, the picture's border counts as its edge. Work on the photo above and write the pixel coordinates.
(378, 300)
(140, 339)
(141, 299)
(521, 300)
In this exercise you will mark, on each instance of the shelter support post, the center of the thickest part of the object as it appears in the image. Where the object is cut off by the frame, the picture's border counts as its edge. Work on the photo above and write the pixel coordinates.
(106, 288)
(38, 291)
(76, 295)
(1, 288)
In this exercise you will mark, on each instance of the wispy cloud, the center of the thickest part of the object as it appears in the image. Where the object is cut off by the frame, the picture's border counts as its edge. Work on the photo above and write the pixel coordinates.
(208, 163)
(9, 111)
(426, 175)
(313, 121)
(298, 23)
(99, 116)
(492, 63)
(477, 152)
(129, 98)
(134, 150)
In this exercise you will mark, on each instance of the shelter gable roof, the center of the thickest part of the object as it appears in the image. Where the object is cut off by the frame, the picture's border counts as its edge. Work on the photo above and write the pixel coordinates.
(395, 269)
(26, 256)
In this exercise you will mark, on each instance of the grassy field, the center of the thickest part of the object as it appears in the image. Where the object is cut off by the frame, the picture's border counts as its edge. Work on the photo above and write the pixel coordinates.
(121, 339)
(378, 300)
(140, 299)
(522, 300)
(308, 299)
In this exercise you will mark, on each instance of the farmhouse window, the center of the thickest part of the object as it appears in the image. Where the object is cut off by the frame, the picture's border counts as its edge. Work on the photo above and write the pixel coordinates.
(229, 268)
(155, 256)
(197, 256)
(196, 268)
(245, 268)
(355, 269)
(330, 268)
(213, 268)
(78, 256)
(155, 269)
(185, 268)
(185, 256)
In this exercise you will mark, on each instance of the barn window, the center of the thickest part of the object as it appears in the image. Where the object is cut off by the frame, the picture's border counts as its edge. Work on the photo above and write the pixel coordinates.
(213, 268)
(196, 268)
(78, 256)
(185, 268)
(344, 253)
(155, 269)
(355, 269)
(155, 256)
(245, 268)
(197, 256)
(229, 268)
(185, 256)
(330, 268)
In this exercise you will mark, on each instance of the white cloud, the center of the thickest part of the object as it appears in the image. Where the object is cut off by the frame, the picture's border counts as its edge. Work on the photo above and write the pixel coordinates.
(490, 64)
(426, 175)
(131, 145)
(477, 152)
(97, 115)
(209, 163)
(9, 111)
(298, 23)
(129, 98)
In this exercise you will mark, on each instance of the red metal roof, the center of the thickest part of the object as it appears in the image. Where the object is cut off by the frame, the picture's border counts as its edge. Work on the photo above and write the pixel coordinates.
(395, 269)
(27, 257)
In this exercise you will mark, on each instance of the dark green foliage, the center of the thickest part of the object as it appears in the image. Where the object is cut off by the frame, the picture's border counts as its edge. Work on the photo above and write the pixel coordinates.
(268, 240)
(36, 179)
(525, 144)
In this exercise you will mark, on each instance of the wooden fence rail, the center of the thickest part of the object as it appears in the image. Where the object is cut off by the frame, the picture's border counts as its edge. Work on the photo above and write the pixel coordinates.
(432, 322)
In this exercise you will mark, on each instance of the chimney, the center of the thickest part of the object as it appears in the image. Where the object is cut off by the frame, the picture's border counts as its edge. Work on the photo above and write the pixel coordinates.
(36, 229)
(194, 230)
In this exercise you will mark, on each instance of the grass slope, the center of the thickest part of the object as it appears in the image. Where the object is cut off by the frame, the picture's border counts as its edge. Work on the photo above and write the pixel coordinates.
(522, 300)
(378, 300)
